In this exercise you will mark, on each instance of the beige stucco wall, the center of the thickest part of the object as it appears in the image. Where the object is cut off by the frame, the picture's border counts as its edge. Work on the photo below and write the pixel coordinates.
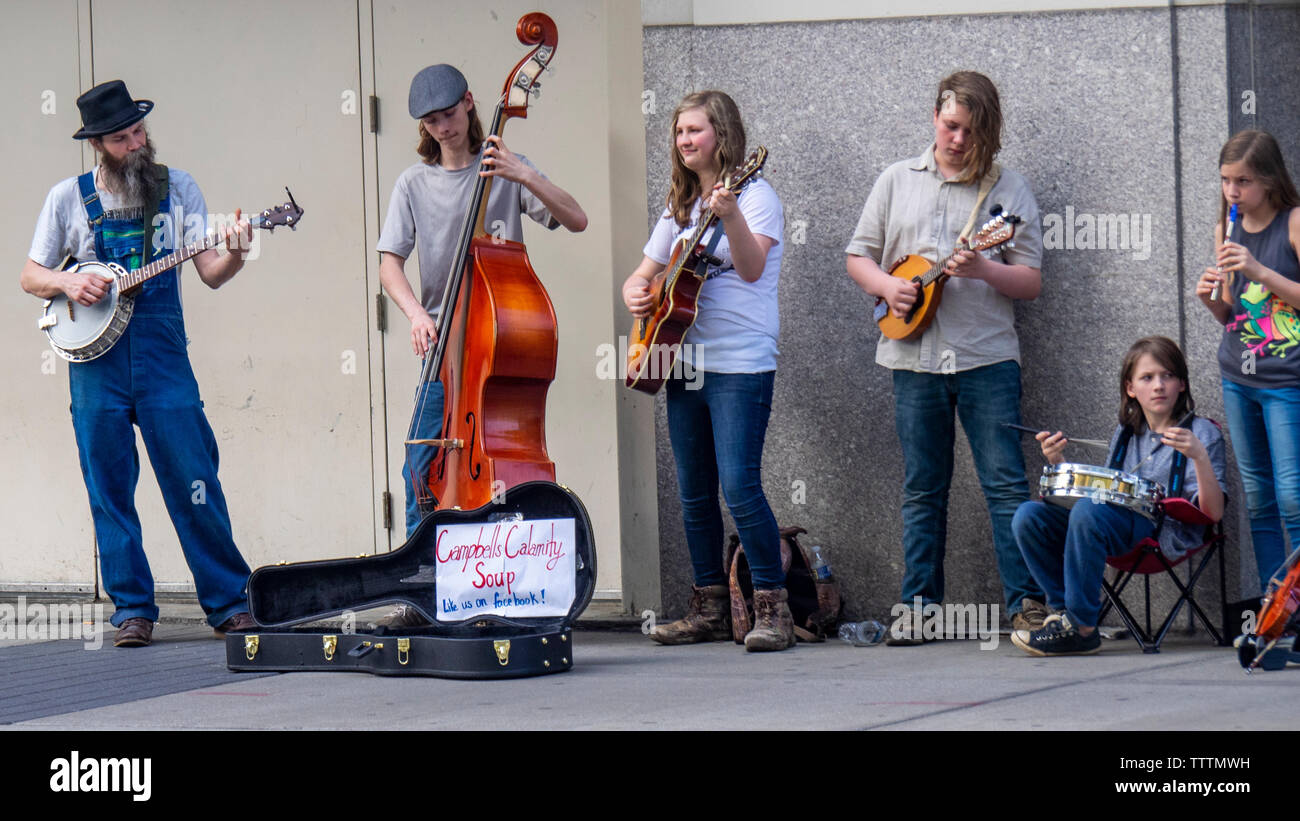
(308, 400)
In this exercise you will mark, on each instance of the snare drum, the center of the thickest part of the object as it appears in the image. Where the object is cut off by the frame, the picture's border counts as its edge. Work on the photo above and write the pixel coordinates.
(1066, 483)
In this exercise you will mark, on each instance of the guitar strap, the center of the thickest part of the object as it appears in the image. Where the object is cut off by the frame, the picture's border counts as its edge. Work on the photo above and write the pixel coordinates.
(986, 185)
(95, 212)
(707, 256)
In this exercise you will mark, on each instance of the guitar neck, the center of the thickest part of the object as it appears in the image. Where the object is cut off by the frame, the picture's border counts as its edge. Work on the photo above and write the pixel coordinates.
(706, 221)
(164, 264)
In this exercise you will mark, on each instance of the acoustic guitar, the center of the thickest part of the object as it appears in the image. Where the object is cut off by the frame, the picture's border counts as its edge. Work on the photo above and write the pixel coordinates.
(656, 340)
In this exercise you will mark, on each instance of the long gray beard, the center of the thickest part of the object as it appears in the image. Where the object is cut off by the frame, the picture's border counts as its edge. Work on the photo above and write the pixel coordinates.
(133, 178)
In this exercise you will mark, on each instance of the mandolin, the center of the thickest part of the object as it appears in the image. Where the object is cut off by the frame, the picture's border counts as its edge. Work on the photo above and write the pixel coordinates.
(930, 277)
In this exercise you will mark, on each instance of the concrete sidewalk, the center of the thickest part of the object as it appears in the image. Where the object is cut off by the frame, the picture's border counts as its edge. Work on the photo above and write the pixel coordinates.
(621, 680)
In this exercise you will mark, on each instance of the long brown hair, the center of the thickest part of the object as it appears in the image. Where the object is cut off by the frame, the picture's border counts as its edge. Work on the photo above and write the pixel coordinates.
(432, 152)
(724, 116)
(1260, 152)
(1167, 353)
(978, 94)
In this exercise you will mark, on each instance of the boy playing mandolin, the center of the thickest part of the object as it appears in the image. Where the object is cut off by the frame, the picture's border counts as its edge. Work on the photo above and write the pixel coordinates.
(967, 360)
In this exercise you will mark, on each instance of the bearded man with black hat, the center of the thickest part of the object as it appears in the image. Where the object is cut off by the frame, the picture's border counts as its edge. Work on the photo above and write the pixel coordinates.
(145, 379)
(425, 211)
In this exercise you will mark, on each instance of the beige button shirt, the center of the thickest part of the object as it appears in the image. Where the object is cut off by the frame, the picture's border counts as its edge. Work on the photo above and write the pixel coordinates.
(912, 209)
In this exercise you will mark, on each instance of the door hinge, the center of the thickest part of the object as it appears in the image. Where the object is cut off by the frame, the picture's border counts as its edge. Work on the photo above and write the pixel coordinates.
(381, 312)
(386, 502)
(374, 114)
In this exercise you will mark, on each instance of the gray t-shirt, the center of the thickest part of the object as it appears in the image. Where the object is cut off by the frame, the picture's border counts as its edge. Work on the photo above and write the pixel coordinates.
(62, 229)
(912, 209)
(1153, 462)
(427, 210)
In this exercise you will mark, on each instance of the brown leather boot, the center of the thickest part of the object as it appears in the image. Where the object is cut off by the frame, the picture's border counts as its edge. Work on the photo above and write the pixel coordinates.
(773, 624)
(708, 618)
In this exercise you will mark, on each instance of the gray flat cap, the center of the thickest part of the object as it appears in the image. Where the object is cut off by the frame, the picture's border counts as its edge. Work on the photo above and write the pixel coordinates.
(435, 88)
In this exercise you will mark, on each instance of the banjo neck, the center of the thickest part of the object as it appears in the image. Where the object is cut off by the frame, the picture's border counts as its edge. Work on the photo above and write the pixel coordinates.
(163, 264)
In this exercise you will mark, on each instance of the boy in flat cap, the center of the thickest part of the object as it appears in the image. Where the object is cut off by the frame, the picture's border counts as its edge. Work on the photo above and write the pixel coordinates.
(145, 378)
(425, 212)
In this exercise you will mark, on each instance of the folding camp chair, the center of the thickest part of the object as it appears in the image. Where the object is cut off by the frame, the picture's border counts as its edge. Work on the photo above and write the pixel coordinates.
(1146, 559)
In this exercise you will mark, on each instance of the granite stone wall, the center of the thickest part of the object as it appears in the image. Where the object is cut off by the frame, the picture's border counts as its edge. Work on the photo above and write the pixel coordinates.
(1115, 112)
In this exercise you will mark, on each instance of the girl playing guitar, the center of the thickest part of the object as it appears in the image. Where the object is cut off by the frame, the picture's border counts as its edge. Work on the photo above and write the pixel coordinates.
(717, 419)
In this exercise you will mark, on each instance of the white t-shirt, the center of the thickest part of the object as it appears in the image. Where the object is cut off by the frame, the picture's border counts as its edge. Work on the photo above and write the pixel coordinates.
(736, 322)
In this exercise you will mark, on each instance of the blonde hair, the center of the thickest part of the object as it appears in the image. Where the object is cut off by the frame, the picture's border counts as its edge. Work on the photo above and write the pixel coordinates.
(978, 94)
(724, 116)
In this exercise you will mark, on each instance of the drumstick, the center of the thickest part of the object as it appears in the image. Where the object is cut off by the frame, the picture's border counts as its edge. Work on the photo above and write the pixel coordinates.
(1096, 443)
(1227, 237)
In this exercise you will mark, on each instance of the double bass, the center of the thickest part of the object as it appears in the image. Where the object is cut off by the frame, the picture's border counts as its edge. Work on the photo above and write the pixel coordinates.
(497, 339)
(495, 356)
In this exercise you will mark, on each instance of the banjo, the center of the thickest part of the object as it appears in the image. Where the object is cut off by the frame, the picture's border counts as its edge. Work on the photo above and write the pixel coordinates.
(80, 333)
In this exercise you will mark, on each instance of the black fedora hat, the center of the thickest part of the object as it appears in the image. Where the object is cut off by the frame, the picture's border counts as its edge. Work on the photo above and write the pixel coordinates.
(108, 107)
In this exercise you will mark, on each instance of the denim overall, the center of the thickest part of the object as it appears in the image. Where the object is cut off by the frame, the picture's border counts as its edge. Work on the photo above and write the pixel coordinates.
(146, 380)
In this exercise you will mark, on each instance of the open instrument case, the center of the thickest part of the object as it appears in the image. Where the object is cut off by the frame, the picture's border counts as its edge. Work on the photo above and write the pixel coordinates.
(506, 643)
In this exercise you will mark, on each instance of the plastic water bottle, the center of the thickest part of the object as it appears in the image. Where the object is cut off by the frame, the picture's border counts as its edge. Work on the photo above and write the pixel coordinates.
(821, 568)
(863, 633)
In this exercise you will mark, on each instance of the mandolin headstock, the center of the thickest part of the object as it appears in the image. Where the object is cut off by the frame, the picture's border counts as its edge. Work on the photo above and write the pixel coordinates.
(996, 231)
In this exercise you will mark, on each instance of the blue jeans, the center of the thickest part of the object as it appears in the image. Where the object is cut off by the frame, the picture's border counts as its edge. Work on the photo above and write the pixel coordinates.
(717, 435)
(1265, 428)
(426, 423)
(146, 380)
(1066, 550)
(924, 404)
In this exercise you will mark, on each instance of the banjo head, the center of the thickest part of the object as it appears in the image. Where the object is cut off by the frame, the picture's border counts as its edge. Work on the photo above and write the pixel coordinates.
(78, 332)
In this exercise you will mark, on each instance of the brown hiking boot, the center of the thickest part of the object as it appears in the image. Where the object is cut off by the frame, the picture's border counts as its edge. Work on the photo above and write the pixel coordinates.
(773, 624)
(708, 618)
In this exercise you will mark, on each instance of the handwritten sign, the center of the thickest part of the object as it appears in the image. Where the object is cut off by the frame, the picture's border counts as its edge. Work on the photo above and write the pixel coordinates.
(513, 568)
